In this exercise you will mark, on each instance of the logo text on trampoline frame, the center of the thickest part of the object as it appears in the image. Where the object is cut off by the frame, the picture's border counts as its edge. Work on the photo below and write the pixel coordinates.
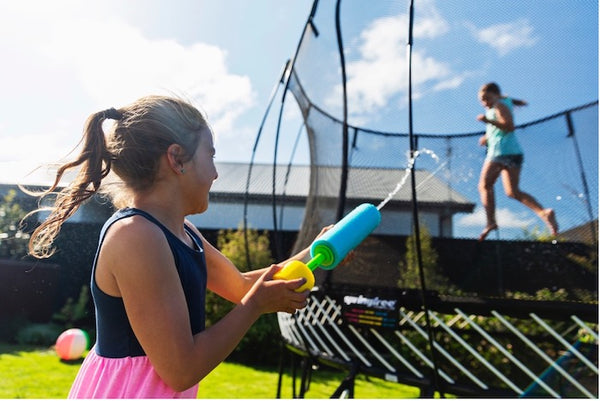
(370, 302)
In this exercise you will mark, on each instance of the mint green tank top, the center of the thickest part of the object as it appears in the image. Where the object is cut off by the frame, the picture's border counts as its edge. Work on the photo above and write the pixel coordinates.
(500, 143)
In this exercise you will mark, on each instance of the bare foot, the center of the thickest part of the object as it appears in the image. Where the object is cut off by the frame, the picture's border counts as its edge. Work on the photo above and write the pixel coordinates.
(487, 230)
(550, 219)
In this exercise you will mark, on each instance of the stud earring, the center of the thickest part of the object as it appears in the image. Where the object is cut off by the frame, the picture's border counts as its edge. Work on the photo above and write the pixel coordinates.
(182, 170)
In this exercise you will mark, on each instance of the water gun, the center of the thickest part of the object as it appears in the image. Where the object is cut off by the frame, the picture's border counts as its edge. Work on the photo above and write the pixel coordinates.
(332, 247)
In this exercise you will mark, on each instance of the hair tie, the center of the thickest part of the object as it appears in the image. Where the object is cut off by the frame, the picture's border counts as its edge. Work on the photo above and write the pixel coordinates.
(112, 114)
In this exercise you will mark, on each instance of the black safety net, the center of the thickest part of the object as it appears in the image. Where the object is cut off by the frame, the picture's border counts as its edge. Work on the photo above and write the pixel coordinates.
(378, 106)
(353, 146)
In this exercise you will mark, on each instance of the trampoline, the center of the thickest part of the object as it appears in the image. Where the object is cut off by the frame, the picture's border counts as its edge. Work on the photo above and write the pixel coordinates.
(513, 316)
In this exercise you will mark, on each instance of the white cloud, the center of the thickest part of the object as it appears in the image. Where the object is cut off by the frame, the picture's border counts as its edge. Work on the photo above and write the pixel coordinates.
(504, 217)
(506, 37)
(451, 83)
(64, 60)
(379, 74)
(428, 21)
(116, 63)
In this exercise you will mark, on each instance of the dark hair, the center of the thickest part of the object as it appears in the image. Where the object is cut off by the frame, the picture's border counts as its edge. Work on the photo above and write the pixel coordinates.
(141, 134)
(491, 87)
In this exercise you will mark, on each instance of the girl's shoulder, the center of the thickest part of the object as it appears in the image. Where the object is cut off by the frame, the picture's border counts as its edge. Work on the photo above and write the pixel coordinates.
(504, 103)
(132, 231)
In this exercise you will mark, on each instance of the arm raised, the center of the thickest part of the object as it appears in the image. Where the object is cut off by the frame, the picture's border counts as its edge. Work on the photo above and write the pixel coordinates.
(136, 264)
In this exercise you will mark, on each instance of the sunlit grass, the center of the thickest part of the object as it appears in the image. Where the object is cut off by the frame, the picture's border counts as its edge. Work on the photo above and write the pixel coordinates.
(34, 374)
(237, 381)
(39, 373)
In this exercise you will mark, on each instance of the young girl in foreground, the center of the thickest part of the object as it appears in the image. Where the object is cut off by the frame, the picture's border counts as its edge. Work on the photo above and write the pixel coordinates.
(504, 156)
(152, 267)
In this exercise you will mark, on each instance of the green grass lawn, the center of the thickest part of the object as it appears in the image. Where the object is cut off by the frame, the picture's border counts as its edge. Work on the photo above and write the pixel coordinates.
(27, 372)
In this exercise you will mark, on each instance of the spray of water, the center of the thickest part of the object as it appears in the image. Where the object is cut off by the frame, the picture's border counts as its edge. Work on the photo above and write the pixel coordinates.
(411, 162)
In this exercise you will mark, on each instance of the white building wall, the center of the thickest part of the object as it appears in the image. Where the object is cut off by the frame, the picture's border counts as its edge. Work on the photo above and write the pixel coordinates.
(227, 215)
(230, 216)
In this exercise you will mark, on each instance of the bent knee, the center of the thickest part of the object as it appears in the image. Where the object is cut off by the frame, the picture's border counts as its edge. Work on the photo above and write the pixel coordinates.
(485, 186)
(513, 194)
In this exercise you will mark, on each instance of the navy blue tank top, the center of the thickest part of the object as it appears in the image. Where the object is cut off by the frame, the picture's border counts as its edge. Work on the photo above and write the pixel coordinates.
(114, 335)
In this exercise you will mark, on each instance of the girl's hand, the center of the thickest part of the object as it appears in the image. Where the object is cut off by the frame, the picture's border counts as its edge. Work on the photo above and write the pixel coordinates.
(268, 295)
(481, 117)
(482, 140)
(349, 258)
(324, 230)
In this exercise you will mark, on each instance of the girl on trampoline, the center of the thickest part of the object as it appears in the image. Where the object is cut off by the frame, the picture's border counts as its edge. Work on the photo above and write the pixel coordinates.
(152, 266)
(504, 157)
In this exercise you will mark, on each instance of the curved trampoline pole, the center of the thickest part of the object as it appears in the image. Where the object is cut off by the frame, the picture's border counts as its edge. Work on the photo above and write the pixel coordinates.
(415, 211)
(307, 27)
(582, 175)
(254, 148)
(289, 168)
(344, 173)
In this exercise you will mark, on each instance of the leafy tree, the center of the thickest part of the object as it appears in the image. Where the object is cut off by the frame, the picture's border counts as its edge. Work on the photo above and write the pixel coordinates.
(232, 244)
(75, 313)
(258, 344)
(536, 234)
(13, 240)
(409, 268)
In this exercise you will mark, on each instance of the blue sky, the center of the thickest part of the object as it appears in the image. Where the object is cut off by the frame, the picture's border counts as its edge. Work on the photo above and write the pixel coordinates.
(65, 59)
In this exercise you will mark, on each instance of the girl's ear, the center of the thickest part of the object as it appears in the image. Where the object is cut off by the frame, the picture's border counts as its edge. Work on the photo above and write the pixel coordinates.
(175, 157)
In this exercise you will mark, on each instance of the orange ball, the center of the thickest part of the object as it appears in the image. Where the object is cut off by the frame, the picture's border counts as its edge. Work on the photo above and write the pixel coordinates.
(71, 344)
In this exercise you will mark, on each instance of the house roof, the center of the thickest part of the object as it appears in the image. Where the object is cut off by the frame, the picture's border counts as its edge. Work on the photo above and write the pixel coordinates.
(586, 233)
(364, 184)
(368, 184)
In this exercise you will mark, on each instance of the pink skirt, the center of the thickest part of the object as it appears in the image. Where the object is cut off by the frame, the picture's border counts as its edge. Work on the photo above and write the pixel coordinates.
(130, 377)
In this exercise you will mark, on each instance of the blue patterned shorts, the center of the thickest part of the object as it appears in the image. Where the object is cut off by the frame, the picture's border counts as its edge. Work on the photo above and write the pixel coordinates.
(508, 160)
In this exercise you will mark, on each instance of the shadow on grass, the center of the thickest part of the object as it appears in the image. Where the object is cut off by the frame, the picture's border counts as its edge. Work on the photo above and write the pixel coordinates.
(16, 349)
(77, 361)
